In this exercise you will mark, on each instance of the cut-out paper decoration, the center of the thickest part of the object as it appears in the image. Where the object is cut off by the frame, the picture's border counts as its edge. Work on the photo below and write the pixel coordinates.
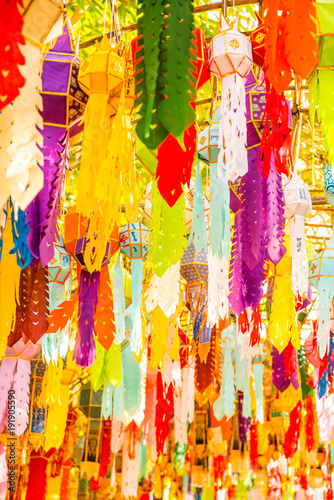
(230, 59)
(321, 275)
(297, 206)
(63, 104)
(15, 386)
(134, 243)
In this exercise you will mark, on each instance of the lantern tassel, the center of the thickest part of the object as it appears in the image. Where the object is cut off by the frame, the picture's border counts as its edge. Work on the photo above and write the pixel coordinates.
(119, 301)
(326, 296)
(84, 350)
(136, 290)
(232, 158)
(299, 270)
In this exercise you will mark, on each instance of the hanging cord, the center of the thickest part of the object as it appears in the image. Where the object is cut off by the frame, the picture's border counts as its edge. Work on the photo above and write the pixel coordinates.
(104, 17)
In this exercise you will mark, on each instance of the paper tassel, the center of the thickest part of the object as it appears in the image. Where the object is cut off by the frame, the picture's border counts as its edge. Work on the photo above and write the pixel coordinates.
(167, 235)
(9, 287)
(242, 383)
(304, 372)
(253, 453)
(219, 232)
(198, 230)
(132, 376)
(104, 319)
(119, 302)
(21, 177)
(243, 421)
(84, 350)
(232, 158)
(36, 488)
(3, 472)
(7, 370)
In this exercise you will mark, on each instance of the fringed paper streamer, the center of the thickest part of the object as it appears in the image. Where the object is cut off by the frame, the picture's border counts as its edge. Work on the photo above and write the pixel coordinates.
(310, 424)
(3, 472)
(148, 425)
(219, 232)
(243, 422)
(21, 177)
(119, 301)
(65, 480)
(276, 135)
(242, 375)
(130, 468)
(33, 305)
(164, 291)
(159, 337)
(207, 372)
(326, 296)
(198, 229)
(300, 43)
(36, 487)
(84, 350)
(132, 376)
(7, 371)
(20, 230)
(188, 392)
(253, 452)
(180, 426)
(225, 406)
(57, 418)
(9, 286)
(97, 129)
(163, 412)
(292, 435)
(21, 387)
(258, 382)
(104, 319)
(167, 236)
(163, 96)
(106, 367)
(95, 484)
(236, 296)
(279, 377)
(274, 214)
(276, 67)
(232, 158)
(11, 79)
(282, 323)
(218, 287)
(136, 291)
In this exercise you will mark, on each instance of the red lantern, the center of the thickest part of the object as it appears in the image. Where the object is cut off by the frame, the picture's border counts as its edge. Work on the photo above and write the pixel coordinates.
(257, 39)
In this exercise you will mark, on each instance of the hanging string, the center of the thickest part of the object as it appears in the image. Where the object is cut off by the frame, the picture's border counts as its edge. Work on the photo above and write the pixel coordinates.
(104, 17)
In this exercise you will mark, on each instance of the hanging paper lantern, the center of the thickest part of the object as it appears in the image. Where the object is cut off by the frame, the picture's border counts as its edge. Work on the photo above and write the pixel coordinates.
(194, 269)
(321, 275)
(297, 206)
(134, 243)
(63, 103)
(258, 42)
(230, 59)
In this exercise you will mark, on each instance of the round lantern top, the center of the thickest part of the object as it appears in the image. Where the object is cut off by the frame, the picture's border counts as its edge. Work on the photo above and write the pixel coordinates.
(323, 264)
(134, 240)
(297, 198)
(194, 266)
(103, 71)
(230, 52)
